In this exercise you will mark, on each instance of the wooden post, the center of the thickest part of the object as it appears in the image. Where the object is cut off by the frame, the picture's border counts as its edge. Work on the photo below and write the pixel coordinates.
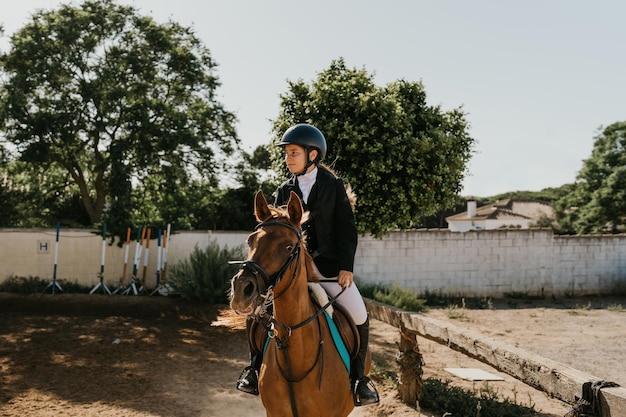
(410, 360)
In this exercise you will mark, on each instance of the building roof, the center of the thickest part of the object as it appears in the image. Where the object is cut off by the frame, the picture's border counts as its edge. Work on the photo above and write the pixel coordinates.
(508, 209)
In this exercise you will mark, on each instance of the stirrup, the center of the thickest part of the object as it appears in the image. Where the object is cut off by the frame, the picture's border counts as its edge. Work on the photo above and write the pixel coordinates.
(372, 396)
(248, 381)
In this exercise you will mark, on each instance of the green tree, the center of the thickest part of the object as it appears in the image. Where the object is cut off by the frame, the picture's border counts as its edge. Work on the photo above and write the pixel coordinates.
(37, 196)
(596, 202)
(404, 159)
(112, 97)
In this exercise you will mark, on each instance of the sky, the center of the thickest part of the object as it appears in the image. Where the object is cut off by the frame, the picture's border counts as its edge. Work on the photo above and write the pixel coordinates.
(537, 79)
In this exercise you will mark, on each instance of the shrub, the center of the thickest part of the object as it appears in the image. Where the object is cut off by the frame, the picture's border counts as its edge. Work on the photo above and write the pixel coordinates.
(32, 285)
(440, 396)
(205, 275)
(403, 298)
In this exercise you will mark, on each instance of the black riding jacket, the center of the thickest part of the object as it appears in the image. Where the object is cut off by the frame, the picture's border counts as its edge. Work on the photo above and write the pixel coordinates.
(331, 235)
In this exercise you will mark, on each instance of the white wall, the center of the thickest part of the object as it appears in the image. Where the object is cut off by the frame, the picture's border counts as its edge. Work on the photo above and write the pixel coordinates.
(479, 263)
(25, 253)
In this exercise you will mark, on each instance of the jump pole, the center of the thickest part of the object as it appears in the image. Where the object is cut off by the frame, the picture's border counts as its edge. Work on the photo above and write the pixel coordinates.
(136, 259)
(54, 284)
(165, 249)
(145, 261)
(105, 289)
(169, 290)
(158, 265)
(123, 277)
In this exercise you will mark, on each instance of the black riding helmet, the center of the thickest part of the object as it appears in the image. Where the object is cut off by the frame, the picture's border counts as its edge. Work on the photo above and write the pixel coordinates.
(307, 136)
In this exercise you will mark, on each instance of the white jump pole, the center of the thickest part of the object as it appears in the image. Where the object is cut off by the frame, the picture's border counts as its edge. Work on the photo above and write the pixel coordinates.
(105, 289)
(136, 260)
(54, 284)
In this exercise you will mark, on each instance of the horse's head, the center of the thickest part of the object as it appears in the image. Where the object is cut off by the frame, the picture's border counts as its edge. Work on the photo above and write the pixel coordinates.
(272, 248)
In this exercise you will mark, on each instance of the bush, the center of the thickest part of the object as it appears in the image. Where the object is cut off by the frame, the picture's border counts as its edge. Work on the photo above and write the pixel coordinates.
(440, 396)
(205, 275)
(403, 298)
(33, 285)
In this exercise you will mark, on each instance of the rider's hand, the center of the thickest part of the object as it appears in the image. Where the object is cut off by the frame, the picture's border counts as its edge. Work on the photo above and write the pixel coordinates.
(345, 278)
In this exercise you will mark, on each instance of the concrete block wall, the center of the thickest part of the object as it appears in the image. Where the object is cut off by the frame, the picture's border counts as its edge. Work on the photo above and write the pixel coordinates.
(479, 263)
(488, 262)
(588, 262)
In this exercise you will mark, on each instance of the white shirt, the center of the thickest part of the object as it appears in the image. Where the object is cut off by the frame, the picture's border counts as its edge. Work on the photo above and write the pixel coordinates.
(306, 182)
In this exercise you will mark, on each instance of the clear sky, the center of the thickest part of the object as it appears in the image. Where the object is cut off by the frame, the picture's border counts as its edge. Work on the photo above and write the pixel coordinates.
(536, 78)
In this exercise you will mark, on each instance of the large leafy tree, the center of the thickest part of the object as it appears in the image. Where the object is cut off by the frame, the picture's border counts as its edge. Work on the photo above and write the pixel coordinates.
(404, 158)
(596, 202)
(114, 98)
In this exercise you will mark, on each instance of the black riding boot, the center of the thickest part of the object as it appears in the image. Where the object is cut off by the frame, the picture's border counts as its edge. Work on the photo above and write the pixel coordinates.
(248, 381)
(364, 392)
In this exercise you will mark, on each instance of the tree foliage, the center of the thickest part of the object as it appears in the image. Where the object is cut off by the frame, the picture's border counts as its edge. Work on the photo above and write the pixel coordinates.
(114, 99)
(404, 158)
(596, 202)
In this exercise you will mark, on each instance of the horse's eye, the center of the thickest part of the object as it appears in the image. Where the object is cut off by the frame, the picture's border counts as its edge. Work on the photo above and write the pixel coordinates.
(289, 248)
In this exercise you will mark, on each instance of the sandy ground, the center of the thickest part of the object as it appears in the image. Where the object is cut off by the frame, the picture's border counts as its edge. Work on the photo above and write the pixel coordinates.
(96, 355)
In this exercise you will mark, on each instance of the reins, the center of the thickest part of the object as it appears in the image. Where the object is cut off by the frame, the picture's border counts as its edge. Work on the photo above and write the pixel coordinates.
(319, 311)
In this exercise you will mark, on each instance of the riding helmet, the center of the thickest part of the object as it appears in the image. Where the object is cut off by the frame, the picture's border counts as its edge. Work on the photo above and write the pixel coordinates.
(305, 135)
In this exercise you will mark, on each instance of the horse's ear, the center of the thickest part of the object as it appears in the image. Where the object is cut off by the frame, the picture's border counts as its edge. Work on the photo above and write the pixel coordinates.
(261, 209)
(294, 208)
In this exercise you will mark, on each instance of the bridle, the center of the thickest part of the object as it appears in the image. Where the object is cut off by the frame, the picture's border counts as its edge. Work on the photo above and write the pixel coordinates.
(270, 282)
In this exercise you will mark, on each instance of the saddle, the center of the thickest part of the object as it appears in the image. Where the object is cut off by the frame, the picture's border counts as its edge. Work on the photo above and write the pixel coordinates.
(258, 331)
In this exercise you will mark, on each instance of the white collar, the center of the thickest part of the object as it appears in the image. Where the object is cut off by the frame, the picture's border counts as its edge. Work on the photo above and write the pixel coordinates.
(306, 182)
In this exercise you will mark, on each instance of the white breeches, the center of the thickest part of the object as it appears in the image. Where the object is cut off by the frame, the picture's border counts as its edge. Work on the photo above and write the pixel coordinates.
(351, 300)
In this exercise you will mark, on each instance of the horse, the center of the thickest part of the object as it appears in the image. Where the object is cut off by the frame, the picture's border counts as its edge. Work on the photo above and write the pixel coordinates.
(302, 373)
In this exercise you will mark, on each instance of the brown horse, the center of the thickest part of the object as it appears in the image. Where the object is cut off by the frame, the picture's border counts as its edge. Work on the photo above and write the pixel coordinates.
(302, 374)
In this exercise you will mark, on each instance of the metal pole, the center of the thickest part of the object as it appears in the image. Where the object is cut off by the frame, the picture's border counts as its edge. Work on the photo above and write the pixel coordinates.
(54, 284)
(123, 277)
(145, 261)
(158, 265)
(140, 233)
(105, 289)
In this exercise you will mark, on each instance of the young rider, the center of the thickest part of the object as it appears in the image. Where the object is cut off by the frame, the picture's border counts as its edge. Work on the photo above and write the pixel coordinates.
(331, 238)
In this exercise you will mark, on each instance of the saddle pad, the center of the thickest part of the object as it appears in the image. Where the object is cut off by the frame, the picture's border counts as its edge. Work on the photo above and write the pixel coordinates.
(334, 332)
(341, 347)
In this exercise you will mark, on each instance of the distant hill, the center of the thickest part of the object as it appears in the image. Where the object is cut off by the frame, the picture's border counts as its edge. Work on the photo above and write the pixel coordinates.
(549, 195)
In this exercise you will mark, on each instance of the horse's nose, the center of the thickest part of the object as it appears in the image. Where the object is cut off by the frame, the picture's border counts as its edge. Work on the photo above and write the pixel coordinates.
(243, 284)
(248, 289)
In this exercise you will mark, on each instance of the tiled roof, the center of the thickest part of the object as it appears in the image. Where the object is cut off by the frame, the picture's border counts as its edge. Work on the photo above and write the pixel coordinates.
(508, 210)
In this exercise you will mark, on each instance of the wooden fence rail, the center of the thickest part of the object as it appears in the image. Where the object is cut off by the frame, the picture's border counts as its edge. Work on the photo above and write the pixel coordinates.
(555, 379)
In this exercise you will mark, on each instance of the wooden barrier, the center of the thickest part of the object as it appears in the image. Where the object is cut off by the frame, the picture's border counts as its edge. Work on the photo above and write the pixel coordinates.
(555, 379)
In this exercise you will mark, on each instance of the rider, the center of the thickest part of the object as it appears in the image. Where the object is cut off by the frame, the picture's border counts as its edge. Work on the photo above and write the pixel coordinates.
(331, 238)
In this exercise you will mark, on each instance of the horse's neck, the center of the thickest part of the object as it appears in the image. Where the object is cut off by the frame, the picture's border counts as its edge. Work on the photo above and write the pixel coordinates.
(294, 305)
